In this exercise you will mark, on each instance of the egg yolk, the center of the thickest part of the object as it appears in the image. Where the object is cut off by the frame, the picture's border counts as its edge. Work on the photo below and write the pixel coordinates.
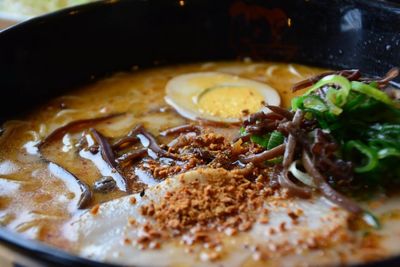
(229, 101)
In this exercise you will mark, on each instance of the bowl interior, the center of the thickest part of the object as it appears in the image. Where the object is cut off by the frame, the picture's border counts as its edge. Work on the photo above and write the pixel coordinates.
(48, 55)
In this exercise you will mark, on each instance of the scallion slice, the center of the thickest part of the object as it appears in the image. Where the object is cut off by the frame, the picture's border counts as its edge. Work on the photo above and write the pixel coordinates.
(371, 92)
(301, 176)
(371, 156)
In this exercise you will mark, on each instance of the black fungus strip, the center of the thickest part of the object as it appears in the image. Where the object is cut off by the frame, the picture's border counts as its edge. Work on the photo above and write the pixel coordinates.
(86, 194)
(137, 130)
(262, 127)
(153, 145)
(108, 154)
(133, 137)
(106, 150)
(130, 138)
(263, 156)
(324, 155)
(253, 118)
(73, 127)
(281, 111)
(291, 142)
(181, 129)
(390, 75)
(326, 189)
(104, 185)
(352, 75)
(284, 179)
(205, 122)
(383, 82)
(293, 189)
(125, 141)
(245, 138)
(261, 116)
(131, 156)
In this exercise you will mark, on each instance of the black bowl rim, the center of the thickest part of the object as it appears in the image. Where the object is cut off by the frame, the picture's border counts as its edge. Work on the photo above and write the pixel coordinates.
(47, 254)
(68, 11)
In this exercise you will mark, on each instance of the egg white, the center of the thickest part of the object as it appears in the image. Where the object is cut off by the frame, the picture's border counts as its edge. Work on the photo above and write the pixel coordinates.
(183, 92)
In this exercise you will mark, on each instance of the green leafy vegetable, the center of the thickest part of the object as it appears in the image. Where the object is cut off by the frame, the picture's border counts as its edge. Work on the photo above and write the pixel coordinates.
(268, 141)
(364, 120)
(275, 139)
(347, 138)
(260, 140)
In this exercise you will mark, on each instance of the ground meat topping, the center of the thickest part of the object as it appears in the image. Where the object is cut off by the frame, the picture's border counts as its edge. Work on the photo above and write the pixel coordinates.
(208, 149)
(196, 212)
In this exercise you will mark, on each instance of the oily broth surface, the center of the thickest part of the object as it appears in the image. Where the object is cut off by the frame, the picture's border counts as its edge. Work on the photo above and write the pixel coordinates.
(38, 204)
(34, 202)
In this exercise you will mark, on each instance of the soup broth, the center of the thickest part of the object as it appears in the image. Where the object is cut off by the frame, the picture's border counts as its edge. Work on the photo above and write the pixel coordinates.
(41, 197)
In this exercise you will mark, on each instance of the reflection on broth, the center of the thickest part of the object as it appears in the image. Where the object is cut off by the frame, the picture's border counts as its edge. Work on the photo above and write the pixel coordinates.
(116, 172)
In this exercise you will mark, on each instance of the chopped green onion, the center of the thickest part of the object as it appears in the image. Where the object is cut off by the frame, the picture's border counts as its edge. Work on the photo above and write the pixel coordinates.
(374, 84)
(388, 152)
(297, 103)
(301, 176)
(363, 120)
(331, 100)
(336, 98)
(389, 128)
(314, 102)
(354, 101)
(371, 92)
(337, 80)
(369, 153)
(370, 219)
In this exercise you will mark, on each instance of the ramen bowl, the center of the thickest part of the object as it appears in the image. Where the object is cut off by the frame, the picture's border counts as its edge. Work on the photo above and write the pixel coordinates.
(46, 56)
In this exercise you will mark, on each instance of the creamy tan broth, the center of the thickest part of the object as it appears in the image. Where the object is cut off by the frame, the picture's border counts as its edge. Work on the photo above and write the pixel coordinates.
(41, 204)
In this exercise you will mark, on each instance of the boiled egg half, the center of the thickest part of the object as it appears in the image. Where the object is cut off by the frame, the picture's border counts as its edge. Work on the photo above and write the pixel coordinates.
(217, 96)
